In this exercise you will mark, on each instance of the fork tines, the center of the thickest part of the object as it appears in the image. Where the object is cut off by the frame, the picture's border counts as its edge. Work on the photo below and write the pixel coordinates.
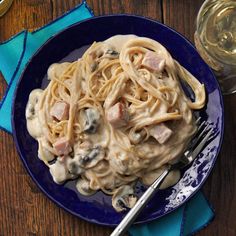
(202, 130)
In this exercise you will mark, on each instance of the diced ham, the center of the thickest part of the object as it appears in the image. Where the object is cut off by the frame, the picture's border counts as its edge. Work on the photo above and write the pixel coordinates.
(161, 133)
(62, 146)
(60, 111)
(117, 115)
(153, 61)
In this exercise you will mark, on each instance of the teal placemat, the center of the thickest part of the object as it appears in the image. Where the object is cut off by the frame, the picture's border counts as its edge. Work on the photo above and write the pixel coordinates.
(16, 52)
(14, 55)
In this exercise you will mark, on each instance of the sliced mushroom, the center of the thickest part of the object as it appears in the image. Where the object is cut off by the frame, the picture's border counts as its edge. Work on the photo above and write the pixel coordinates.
(91, 158)
(52, 161)
(31, 107)
(93, 66)
(137, 137)
(31, 113)
(124, 198)
(111, 53)
(73, 167)
(91, 120)
(95, 54)
(83, 187)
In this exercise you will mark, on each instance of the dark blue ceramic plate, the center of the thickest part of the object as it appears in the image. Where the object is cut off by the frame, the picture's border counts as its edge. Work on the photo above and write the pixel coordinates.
(97, 208)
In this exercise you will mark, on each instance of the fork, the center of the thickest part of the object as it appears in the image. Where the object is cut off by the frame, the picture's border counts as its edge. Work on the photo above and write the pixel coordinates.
(200, 138)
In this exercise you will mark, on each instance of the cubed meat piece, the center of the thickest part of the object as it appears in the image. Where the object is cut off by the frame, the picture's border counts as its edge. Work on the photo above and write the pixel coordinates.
(62, 146)
(117, 115)
(153, 61)
(60, 111)
(161, 133)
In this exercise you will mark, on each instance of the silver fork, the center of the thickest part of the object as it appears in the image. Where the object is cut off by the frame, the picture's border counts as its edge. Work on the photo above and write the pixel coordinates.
(199, 140)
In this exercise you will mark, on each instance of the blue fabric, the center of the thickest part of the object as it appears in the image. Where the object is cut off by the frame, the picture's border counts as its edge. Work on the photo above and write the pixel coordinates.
(16, 52)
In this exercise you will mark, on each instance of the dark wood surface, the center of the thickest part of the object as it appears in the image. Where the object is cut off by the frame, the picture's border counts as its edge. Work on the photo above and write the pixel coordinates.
(24, 210)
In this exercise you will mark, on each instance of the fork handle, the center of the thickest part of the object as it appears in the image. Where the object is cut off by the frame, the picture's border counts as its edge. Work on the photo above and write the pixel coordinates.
(141, 203)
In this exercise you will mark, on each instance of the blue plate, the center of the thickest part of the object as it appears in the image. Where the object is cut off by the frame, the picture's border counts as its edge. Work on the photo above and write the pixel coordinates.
(98, 208)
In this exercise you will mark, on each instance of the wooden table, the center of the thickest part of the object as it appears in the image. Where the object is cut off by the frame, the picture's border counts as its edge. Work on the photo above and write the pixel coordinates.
(24, 210)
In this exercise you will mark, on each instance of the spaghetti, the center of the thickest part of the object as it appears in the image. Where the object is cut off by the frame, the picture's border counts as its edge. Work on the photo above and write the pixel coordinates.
(115, 116)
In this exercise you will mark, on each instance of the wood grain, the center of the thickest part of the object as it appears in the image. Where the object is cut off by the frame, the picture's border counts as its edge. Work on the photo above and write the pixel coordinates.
(181, 15)
(220, 188)
(24, 210)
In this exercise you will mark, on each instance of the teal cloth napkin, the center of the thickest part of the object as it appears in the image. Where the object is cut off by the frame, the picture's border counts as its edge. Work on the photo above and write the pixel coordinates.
(14, 55)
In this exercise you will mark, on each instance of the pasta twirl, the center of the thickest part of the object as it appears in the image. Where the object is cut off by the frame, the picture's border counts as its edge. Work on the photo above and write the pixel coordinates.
(115, 116)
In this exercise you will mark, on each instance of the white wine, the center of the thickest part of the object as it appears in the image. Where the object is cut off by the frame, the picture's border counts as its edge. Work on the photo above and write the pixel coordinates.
(215, 39)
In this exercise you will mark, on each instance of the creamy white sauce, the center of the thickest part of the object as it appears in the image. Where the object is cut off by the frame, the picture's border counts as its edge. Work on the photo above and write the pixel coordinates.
(170, 180)
(59, 172)
(57, 69)
(118, 41)
(44, 153)
(116, 158)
